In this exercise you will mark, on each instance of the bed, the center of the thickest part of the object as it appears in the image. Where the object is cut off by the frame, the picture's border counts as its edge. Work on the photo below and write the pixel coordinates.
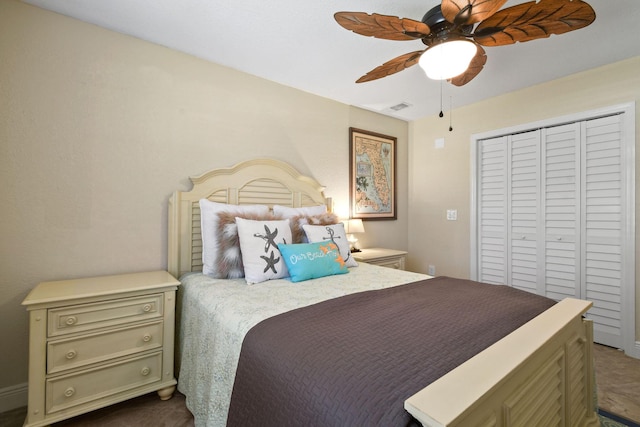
(540, 373)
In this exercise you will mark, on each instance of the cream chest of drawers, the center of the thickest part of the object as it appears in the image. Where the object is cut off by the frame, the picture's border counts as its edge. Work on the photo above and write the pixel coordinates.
(384, 257)
(98, 341)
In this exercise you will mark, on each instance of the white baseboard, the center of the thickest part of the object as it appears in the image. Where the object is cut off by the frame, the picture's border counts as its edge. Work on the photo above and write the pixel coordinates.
(13, 397)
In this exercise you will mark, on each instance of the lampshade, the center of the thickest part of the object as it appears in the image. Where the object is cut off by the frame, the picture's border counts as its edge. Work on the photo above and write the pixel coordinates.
(448, 59)
(353, 226)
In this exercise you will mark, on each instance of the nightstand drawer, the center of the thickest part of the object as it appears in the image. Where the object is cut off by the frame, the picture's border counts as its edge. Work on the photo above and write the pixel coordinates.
(75, 352)
(86, 317)
(390, 258)
(88, 386)
(396, 263)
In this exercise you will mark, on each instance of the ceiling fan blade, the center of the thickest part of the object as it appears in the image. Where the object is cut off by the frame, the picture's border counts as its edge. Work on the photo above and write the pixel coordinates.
(533, 20)
(391, 67)
(465, 12)
(382, 26)
(476, 65)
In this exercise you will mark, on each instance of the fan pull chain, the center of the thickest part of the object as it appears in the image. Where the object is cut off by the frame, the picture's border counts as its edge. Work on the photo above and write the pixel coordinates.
(450, 114)
(441, 115)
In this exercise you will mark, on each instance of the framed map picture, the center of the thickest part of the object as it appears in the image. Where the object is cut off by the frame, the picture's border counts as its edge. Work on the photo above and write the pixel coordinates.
(372, 173)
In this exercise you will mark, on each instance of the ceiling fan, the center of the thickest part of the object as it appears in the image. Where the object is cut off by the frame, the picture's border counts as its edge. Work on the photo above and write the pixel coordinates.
(452, 25)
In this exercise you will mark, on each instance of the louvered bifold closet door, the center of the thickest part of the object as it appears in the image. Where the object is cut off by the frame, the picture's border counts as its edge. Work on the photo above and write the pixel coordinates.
(555, 216)
(492, 211)
(561, 211)
(524, 153)
(604, 225)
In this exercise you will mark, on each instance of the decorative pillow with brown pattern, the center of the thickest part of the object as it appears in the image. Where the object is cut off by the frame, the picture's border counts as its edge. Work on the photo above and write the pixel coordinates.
(229, 258)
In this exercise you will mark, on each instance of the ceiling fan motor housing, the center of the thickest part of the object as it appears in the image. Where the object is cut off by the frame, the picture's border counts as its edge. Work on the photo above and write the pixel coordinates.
(441, 29)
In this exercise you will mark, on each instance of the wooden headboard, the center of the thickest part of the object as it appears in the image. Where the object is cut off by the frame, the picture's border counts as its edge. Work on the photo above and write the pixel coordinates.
(259, 181)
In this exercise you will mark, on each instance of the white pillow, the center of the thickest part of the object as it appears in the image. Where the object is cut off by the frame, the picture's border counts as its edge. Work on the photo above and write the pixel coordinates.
(209, 226)
(335, 233)
(287, 212)
(259, 247)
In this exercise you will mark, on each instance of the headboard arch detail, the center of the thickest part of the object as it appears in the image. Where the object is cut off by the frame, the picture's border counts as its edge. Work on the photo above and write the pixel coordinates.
(258, 181)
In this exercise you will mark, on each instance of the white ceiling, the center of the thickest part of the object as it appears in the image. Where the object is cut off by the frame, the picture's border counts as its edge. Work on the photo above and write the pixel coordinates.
(298, 43)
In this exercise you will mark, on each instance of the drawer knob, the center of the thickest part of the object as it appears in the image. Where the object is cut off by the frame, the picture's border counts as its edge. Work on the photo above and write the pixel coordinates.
(71, 354)
(71, 320)
(146, 337)
(69, 392)
(146, 308)
(145, 371)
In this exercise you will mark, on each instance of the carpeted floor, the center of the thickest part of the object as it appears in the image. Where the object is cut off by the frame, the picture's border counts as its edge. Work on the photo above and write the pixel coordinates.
(618, 378)
(143, 411)
(618, 382)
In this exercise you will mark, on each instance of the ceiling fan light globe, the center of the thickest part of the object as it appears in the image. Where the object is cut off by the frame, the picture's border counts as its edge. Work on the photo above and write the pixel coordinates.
(447, 60)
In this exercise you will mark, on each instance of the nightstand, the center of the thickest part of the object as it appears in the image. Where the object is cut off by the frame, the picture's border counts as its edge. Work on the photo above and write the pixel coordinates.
(385, 257)
(98, 341)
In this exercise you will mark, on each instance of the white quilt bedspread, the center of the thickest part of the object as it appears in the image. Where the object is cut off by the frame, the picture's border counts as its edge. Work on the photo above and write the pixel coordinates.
(216, 314)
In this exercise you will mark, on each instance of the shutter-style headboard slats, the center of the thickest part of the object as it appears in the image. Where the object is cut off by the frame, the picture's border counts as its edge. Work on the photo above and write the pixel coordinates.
(260, 181)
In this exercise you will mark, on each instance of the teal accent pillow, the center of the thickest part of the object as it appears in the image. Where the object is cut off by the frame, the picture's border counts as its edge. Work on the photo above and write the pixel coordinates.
(312, 260)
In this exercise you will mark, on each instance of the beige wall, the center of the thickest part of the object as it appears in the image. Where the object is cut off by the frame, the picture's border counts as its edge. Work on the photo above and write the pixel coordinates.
(439, 179)
(98, 129)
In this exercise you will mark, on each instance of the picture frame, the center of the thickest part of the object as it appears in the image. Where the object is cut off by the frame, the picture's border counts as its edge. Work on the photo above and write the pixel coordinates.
(372, 175)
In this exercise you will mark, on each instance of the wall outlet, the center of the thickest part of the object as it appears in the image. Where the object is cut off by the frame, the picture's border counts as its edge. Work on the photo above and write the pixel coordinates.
(432, 270)
(452, 214)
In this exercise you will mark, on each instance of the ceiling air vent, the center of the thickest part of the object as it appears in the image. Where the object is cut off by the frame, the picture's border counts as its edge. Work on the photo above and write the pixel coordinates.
(400, 106)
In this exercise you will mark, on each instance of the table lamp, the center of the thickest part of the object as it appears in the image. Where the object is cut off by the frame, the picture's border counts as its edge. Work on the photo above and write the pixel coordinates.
(351, 227)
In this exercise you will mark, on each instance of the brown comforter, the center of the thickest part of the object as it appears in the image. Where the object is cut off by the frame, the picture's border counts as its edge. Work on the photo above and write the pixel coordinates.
(353, 361)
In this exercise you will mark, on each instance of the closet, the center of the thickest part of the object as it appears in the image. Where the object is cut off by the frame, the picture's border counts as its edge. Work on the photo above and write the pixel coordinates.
(554, 215)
